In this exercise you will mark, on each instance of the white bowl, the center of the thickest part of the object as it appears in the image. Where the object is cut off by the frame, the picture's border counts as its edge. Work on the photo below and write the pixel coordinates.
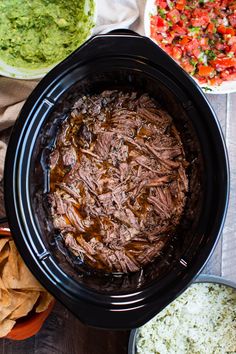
(225, 87)
(29, 74)
(23, 73)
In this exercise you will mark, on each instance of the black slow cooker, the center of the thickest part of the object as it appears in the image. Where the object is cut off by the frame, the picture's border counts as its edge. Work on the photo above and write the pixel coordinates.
(122, 60)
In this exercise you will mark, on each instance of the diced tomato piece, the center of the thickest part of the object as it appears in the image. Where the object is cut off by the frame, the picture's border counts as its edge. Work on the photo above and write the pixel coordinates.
(180, 4)
(221, 29)
(230, 31)
(232, 20)
(153, 21)
(233, 48)
(232, 6)
(173, 16)
(232, 40)
(211, 28)
(200, 18)
(197, 22)
(226, 37)
(157, 36)
(224, 3)
(224, 74)
(184, 41)
(168, 49)
(215, 81)
(168, 39)
(179, 30)
(225, 30)
(220, 46)
(177, 53)
(152, 31)
(187, 66)
(196, 52)
(227, 48)
(223, 63)
(161, 3)
(204, 43)
(160, 24)
(230, 77)
(202, 79)
(205, 70)
(210, 5)
(188, 13)
(192, 45)
(181, 23)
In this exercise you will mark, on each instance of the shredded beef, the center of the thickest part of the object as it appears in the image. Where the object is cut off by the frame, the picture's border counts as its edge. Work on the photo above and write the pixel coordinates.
(118, 180)
(69, 156)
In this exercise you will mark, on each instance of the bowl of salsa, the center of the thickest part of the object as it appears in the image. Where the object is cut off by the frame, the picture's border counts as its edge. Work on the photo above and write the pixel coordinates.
(200, 35)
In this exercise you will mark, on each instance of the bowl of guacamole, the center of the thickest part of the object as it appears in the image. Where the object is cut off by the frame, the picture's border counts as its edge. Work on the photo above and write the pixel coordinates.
(38, 34)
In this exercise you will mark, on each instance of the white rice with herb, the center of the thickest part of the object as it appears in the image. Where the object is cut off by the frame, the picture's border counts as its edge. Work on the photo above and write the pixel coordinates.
(201, 321)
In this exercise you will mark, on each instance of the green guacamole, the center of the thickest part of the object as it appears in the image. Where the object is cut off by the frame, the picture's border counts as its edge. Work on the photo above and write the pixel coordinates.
(38, 33)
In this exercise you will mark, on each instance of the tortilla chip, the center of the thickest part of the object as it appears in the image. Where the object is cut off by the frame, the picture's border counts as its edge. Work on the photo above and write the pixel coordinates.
(3, 242)
(5, 299)
(24, 281)
(4, 254)
(16, 299)
(4, 295)
(26, 306)
(5, 312)
(2, 285)
(11, 269)
(6, 326)
(44, 301)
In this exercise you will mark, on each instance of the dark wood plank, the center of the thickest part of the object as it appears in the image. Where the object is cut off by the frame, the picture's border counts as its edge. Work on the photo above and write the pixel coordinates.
(26, 346)
(64, 334)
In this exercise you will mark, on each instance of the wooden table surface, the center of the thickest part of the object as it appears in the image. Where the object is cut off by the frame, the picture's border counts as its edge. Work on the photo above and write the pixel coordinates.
(62, 333)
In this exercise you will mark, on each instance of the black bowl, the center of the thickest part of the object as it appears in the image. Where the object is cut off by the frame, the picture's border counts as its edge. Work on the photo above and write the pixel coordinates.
(122, 60)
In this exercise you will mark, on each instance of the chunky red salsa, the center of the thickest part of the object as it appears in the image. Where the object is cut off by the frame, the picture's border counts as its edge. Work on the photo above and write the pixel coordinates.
(200, 35)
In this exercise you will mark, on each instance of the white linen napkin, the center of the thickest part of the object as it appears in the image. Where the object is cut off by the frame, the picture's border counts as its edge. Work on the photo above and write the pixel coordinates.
(114, 14)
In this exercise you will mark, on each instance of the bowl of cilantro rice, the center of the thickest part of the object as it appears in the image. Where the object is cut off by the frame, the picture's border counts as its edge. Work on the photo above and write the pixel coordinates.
(202, 320)
(38, 34)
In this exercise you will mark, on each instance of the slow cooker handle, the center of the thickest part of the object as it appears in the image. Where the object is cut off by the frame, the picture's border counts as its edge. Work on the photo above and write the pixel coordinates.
(127, 32)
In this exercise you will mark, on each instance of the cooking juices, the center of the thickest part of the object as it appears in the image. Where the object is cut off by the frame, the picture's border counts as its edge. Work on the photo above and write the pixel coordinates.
(117, 180)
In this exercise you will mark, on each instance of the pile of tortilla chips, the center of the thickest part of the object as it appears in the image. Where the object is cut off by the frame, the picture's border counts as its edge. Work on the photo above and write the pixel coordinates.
(20, 292)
